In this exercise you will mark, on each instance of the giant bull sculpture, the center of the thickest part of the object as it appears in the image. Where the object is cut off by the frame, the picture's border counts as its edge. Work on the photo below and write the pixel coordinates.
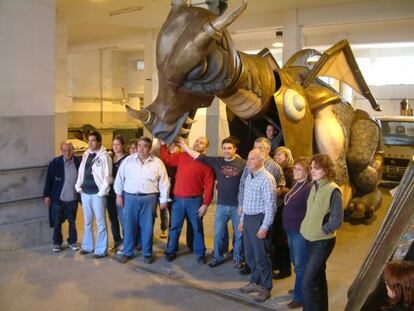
(197, 60)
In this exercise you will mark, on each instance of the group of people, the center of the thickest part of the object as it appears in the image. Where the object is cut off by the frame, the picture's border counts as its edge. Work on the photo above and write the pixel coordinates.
(282, 210)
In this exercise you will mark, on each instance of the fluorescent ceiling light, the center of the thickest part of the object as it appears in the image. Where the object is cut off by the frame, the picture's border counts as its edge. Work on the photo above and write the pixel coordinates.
(278, 44)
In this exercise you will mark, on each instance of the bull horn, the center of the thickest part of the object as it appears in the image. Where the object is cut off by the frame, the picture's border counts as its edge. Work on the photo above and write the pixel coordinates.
(225, 20)
(143, 115)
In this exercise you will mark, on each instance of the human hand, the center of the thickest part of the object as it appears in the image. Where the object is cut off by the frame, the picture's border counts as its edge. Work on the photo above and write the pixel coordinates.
(47, 201)
(163, 205)
(240, 227)
(202, 210)
(261, 234)
(119, 200)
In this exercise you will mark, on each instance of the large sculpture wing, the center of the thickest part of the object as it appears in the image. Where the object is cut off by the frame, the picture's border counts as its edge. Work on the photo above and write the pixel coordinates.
(339, 62)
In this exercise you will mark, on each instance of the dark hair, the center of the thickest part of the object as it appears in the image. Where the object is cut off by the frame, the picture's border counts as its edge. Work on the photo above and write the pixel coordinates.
(96, 134)
(120, 139)
(399, 276)
(133, 141)
(145, 139)
(231, 140)
(324, 162)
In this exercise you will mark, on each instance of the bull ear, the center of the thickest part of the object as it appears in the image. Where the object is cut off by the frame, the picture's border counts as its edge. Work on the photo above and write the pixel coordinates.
(178, 3)
(225, 20)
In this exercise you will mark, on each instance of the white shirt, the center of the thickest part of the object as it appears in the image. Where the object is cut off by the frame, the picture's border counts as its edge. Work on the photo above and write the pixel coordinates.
(136, 177)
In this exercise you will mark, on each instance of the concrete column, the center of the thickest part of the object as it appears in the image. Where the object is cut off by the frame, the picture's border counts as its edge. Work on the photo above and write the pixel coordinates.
(217, 126)
(61, 86)
(27, 108)
(292, 34)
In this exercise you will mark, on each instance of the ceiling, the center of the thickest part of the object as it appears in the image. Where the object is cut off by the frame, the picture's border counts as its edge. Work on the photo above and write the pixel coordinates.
(90, 21)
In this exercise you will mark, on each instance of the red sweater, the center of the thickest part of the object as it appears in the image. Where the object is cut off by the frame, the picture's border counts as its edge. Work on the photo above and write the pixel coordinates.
(193, 178)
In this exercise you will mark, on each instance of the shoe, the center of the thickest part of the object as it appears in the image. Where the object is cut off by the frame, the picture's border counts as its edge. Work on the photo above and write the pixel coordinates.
(120, 252)
(264, 294)
(148, 259)
(99, 256)
(116, 245)
(201, 260)
(280, 276)
(74, 247)
(215, 262)
(163, 234)
(84, 252)
(245, 270)
(237, 264)
(56, 248)
(294, 305)
(250, 288)
(123, 259)
(170, 257)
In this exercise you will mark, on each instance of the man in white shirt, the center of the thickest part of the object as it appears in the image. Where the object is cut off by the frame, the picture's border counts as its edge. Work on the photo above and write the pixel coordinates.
(140, 181)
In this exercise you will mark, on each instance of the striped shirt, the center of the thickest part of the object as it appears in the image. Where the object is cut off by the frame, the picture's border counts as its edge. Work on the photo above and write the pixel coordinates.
(259, 197)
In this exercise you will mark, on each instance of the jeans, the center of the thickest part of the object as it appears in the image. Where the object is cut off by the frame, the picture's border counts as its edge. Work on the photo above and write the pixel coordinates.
(299, 256)
(314, 284)
(181, 208)
(59, 212)
(113, 218)
(94, 205)
(139, 210)
(257, 251)
(223, 214)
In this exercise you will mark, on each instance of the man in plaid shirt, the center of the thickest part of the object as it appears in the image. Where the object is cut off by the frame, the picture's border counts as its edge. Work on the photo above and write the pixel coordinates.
(258, 203)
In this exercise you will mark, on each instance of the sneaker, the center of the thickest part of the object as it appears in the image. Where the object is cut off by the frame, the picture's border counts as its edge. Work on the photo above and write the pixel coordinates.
(99, 256)
(201, 260)
(56, 248)
(263, 295)
(148, 259)
(250, 288)
(237, 264)
(74, 247)
(163, 234)
(123, 259)
(170, 257)
(120, 252)
(215, 262)
(84, 252)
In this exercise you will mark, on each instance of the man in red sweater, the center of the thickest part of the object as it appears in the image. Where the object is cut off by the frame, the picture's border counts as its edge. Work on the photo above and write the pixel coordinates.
(193, 192)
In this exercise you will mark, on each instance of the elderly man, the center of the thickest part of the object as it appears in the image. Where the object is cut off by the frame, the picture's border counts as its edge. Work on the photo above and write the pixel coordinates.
(258, 202)
(141, 180)
(94, 177)
(61, 197)
(193, 192)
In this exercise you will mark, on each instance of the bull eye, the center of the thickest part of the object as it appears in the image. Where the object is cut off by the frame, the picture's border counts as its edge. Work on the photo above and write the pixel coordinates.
(198, 71)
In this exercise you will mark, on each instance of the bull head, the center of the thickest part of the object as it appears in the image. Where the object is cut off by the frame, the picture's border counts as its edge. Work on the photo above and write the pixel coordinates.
(195, 60)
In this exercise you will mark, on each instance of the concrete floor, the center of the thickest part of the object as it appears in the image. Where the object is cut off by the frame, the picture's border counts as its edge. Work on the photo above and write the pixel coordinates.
(38, 279)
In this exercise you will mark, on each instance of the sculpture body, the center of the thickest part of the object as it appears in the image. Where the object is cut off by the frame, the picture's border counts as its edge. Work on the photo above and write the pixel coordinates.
(197, 60)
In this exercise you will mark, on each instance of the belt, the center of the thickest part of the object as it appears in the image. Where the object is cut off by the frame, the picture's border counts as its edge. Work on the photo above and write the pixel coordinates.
(141, 194)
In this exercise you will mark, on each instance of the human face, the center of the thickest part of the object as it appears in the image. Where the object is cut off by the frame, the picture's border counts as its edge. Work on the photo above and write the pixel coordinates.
(254, 162)
(299, 172)
(117, 146)
(390, 292)
(317, 172)
(93, 143)
(174, 148)
(132, 149)
(200, 145)
(229, 151)
(143, 150)
(280, 158)
(67, 151)
(270, 131)
(262, 147)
